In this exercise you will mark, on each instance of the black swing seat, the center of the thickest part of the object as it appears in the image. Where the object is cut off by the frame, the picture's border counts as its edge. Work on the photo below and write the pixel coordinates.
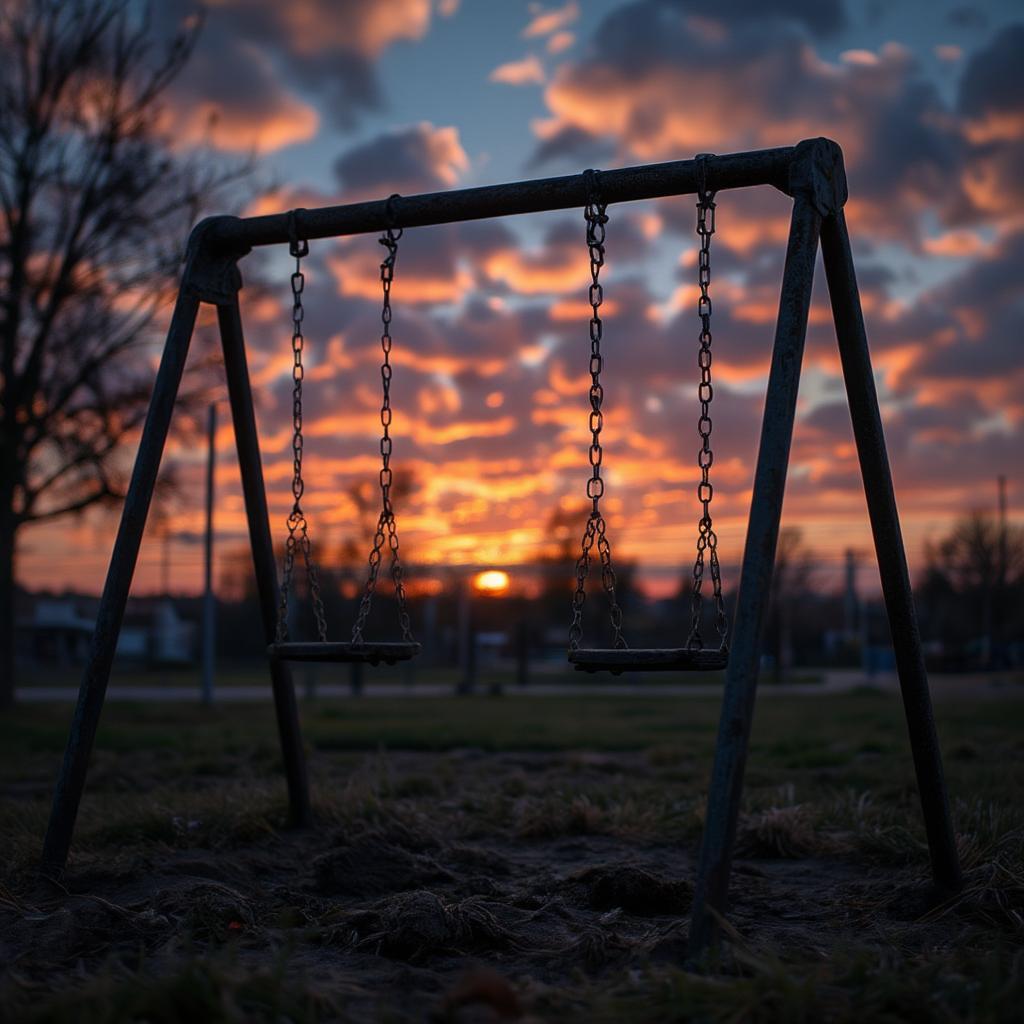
(369, 653)
(652, 659)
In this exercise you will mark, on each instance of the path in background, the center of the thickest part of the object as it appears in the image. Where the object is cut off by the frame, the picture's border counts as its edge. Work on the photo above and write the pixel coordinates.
(959, 685)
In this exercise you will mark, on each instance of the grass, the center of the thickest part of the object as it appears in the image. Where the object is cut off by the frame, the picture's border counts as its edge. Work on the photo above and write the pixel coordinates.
(830, 831)
(501, 673)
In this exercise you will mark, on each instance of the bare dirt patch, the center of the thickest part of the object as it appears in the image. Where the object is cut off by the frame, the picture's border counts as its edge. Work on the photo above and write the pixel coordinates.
(392, 907)
(477, 884)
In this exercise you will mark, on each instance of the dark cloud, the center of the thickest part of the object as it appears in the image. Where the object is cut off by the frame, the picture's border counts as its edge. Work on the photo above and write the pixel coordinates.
(319, 47)
(822, 17)
(751, 84)
(968, 16)
(572, 144)
(982, 321)
(418, 158)
(993, 80)
(230, 94)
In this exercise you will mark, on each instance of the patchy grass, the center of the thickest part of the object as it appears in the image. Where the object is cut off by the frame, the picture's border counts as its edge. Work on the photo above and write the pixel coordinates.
(510, 859)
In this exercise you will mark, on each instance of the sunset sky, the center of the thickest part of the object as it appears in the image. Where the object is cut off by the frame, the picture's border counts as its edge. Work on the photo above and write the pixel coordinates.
(359, 99)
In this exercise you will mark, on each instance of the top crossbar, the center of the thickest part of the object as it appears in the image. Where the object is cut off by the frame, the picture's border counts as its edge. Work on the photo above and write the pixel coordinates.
(649, 181)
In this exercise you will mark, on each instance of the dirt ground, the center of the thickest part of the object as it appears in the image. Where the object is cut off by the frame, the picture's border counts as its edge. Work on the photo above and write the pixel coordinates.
(473, 884)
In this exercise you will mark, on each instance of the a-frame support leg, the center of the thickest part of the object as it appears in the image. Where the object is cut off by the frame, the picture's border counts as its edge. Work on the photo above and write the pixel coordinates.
(211, 277)
(93, 689)
(892, 559)
(247, 443)
(827, 191)
(755, 577)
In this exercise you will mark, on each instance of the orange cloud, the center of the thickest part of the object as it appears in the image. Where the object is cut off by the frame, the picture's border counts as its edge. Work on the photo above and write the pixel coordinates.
(360, 278)
(579, 310)
(528, 71)
(263, 117)
(550, 271)
(215, 124)
(956, 244)
(995, 126)
(312, 26)
(545, 22)
(560, 41)
(429, 433)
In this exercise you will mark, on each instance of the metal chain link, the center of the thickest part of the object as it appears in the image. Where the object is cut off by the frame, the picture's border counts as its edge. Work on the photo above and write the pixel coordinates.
(386, 528)
(707, 539)
(596, 219)
(298, 527)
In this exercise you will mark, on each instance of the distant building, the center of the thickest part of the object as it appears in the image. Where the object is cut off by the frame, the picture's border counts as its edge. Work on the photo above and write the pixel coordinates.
(57, 631)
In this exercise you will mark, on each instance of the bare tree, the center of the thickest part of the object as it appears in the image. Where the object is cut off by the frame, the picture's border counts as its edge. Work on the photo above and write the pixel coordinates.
(974, 584)
(96, 205)
(791, 577)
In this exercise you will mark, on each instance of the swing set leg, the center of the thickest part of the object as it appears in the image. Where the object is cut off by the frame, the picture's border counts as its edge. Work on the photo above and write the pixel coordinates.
(71, 781)
(755, 579)
(204, 280)
(247, 442)
(889, 550)
(759, 554)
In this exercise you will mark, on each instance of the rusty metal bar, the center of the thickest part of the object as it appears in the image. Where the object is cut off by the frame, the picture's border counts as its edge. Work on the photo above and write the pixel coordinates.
(755, 578)
(649, 181)
(71, 781)
(247, 443)
(892, 558)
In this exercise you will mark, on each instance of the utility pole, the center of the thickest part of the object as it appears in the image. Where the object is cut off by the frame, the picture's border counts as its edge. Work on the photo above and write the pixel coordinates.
(999, 602)
(850, 597)
(466, 638)
(209, 602)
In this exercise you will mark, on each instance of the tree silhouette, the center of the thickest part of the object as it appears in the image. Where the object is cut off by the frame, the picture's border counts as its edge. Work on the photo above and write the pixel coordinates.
(791, 577)
(973, 588)
(96, 205)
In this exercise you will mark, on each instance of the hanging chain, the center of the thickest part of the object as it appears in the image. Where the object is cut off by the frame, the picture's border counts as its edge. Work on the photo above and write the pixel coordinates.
(298, 527)
(596, 219)
(707, 539)
(386, 528)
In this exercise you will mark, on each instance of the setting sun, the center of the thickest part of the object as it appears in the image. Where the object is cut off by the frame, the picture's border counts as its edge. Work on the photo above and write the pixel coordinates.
(492, 581)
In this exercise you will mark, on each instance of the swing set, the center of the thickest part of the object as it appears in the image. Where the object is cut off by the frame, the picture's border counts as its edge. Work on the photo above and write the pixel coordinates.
(812, 174)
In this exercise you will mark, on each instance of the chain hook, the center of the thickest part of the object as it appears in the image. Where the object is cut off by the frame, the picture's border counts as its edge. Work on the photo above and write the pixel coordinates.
(703, 192)
(393, 233)
(595, 206)
(298, 246)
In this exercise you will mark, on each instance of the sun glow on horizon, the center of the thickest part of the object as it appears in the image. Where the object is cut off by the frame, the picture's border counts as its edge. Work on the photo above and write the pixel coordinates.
(491, 581)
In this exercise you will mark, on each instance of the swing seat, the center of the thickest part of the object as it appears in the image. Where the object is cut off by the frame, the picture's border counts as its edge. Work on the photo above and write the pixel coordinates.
(370, 653)
(652, 659)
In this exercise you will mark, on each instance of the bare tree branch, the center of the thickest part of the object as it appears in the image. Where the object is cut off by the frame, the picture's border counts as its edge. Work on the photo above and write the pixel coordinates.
(95, 208)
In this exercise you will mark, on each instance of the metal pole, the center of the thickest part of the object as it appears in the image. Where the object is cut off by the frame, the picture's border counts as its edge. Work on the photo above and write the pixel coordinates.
(209, 603)
(247, 442)
(755, 578)
(71, 781)
(892, 558)
(650, 181)
(999, 620)
(523, 653)
(467, 661)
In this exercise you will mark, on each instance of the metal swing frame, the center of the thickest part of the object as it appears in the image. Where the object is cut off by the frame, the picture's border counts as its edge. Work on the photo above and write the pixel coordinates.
(812, 174)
